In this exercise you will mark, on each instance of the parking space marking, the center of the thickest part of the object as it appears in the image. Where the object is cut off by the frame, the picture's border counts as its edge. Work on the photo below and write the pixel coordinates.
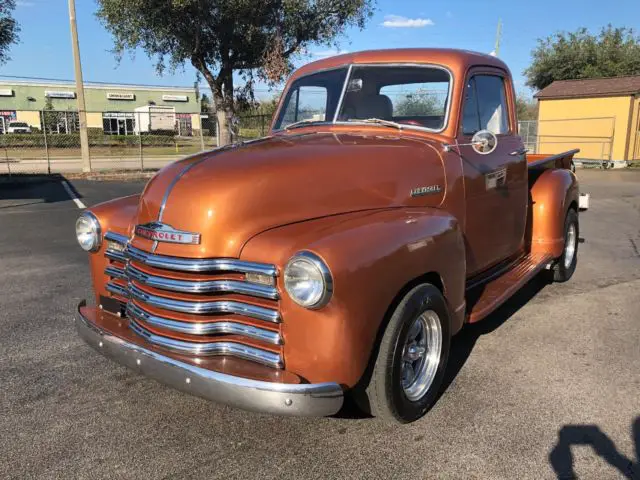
(72, 194)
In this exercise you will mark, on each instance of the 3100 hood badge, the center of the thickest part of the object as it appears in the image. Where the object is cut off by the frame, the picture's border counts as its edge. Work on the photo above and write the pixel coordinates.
(161, 232)
(428, 190)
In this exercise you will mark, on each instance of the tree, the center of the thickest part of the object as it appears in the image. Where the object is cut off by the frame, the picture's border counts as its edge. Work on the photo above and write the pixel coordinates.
(526, 108)
(9, 29)
(205, 103)
(220, 37)
(418, 104)
(49, 116)
(569, 56)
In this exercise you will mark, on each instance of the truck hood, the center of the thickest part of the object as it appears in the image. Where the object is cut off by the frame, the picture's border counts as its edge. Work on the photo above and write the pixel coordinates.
(231, 194)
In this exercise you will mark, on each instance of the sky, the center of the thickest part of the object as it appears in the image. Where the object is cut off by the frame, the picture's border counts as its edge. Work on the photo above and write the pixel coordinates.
(45, 46)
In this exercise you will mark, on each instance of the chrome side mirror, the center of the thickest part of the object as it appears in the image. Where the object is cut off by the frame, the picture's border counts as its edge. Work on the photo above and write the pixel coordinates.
(484, 142)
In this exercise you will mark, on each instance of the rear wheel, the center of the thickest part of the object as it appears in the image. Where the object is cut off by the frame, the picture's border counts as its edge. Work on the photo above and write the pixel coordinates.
(411, 361)
(566, 264)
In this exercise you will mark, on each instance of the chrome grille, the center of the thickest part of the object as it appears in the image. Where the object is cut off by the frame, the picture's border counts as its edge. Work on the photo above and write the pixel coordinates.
(197, 306)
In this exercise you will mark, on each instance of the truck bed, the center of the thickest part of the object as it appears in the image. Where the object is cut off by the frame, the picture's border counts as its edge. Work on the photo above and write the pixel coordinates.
(543, 161)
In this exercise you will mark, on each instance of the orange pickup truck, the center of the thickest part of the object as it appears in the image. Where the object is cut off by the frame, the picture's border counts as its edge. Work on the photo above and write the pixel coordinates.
(391, 203)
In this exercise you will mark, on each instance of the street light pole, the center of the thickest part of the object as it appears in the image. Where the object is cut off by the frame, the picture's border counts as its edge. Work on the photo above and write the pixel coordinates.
(82, 112)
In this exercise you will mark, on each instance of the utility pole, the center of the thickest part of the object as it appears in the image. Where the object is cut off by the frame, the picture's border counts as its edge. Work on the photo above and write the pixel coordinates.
(496, 50)
(82, 112)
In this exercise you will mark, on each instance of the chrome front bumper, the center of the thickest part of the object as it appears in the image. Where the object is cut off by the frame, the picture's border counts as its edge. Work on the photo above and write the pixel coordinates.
(319, 399)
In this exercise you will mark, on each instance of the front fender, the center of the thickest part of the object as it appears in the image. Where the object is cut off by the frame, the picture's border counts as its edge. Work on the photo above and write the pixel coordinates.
(552, 193)
(117, 216)
(372, 257)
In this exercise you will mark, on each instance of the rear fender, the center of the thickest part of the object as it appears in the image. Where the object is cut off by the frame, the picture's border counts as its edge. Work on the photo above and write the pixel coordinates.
(553, 192)
(372, 256)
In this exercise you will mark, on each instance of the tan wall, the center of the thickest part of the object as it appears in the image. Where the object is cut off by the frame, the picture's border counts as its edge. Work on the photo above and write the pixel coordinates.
(94, 120)
(597, 126)
(195, 122)
(31, 118)
(634, 139)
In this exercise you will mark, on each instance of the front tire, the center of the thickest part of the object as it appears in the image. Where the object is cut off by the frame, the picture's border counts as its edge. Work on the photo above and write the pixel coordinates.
(412, 358)
(566, 264)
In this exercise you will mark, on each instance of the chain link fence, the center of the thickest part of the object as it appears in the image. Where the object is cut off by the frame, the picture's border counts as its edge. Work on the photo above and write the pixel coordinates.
(593, 136)
(147, 138)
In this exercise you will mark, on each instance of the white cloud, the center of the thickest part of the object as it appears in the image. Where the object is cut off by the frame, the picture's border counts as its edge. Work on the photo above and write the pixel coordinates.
(25, 4)
(328, 53)
(397, 21)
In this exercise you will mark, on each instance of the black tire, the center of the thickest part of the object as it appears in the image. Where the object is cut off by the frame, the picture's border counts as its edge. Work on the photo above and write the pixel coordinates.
(563, 271)
(383, 396)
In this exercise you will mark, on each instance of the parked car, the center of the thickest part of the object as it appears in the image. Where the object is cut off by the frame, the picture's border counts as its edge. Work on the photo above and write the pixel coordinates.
(18, 127)
(392, 203)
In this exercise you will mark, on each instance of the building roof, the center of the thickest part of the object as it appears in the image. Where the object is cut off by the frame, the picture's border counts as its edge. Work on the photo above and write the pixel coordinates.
(591, 87)
(35, 82)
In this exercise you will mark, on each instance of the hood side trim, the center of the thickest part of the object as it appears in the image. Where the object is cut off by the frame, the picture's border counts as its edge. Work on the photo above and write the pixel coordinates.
(168, 191)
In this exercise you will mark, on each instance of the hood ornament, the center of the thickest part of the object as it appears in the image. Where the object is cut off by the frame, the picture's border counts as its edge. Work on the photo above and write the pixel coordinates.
(161, 232)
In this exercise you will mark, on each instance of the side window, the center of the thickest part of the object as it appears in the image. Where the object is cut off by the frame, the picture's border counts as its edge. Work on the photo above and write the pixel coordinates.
(470, 115)
(485, 106)
(306, 103)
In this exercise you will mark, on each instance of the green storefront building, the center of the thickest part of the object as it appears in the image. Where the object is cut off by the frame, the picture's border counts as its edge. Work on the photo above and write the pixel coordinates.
(115, 109)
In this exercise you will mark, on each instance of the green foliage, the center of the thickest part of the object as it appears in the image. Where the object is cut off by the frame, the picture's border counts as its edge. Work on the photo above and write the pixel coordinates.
(205, 103)
(567, 56)
(418, 104)
(96, 139)
(219, 37)
(526, 108)
(9, 29)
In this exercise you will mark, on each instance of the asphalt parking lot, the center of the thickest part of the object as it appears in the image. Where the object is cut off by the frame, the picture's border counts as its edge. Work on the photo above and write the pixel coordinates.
(547, 387)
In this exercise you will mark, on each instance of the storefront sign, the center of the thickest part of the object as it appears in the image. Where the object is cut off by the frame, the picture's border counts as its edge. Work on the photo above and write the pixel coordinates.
(6, 92)
(118, 115)
(175, 98)
(120, 96)
(59, 94)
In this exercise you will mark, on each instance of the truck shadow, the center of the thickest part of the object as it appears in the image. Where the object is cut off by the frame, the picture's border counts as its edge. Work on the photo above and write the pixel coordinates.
(463, 343)
(561, 459)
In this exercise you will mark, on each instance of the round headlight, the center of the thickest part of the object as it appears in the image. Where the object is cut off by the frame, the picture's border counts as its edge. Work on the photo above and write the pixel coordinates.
(308, 280)
(88, 232)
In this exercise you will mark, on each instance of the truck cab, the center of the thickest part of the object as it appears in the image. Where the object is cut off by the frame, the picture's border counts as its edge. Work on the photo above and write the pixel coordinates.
(391, 203)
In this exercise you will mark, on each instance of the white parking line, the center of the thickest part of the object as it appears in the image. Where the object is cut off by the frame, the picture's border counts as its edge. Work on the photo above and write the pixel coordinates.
(73, 195)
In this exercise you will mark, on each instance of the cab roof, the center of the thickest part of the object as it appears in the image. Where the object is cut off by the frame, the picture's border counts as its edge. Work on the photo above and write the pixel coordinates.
(454, 59)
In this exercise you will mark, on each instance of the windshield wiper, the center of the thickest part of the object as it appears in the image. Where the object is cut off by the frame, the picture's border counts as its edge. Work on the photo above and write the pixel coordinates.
(308, 121)
(378, 121)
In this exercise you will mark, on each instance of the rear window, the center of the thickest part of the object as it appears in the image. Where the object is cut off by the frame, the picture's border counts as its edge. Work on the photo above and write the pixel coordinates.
(18, 124)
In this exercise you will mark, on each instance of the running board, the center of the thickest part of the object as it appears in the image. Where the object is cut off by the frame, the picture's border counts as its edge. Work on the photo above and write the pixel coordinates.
(485, 298)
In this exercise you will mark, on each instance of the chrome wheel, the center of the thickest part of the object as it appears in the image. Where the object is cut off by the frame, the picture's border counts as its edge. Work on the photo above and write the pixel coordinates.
(421, 355)
(570, 245)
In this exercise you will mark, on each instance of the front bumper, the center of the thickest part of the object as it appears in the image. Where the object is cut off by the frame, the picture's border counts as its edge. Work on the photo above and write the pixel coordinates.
(319, 399)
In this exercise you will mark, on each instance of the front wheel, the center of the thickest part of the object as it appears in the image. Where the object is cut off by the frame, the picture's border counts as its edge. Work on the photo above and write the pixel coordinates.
(411, 361)
(566, 264)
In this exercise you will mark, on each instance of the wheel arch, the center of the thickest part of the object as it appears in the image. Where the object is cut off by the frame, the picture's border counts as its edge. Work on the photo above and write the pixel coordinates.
(552, 193)
(375, 258)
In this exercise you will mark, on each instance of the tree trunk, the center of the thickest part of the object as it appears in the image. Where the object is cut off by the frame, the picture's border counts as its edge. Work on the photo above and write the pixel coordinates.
(224, 135)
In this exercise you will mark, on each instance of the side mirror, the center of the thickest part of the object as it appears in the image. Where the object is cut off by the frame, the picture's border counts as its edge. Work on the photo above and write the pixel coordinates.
(484, 142)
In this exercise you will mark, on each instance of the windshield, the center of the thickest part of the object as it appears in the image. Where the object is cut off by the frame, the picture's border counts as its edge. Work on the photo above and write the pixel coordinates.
(17, 124)
(415, 96)
(313, 98)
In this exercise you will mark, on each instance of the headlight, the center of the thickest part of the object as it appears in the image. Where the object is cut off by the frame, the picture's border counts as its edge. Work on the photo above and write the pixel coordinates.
(88, 232)
(308, 280)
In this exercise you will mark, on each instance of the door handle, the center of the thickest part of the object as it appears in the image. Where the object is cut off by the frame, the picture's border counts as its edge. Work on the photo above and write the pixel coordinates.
(520, 151)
